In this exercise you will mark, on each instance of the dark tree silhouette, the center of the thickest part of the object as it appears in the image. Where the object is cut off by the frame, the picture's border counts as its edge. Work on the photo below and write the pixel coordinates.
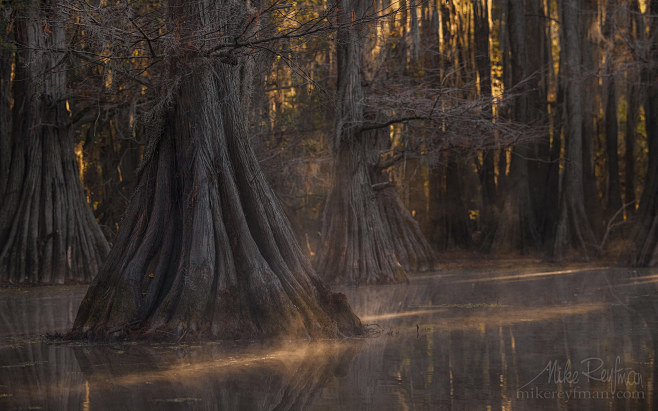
(6, 60)
(645, 237)
(573, 228)
(517, 225)
(205, 249)
(611, 127)
(486, 167)
(48, 233)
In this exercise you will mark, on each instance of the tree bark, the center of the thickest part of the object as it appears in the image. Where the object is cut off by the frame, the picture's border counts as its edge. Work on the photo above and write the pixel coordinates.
(645, 236)
(368, 236)
(613, 203)
(543, 169)
(205, 249)
(449, 223)
(634, 92)
(629, 156)
(517, 224)
(48, 233)
(573, 229)
(6, 60)
(356, 243)
(411, 248)
(449, 216)
(486, 169)
(589, 58)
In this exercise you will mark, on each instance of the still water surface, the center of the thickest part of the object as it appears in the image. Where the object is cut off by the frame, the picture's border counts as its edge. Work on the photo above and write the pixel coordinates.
(517, 336)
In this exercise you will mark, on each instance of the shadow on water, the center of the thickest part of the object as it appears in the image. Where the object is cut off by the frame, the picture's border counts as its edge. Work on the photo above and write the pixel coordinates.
(507, 338)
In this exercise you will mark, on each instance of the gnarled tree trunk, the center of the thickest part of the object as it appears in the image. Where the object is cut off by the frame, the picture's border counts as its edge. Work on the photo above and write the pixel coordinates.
(48, 233)
(356, 243)
(412, 249)
(368, 236)
(205, 249)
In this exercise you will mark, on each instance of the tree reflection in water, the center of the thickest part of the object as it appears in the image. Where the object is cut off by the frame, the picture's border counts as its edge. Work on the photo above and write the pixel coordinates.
(34, 374)
(212, 376)
(461, 339)
(472, 339)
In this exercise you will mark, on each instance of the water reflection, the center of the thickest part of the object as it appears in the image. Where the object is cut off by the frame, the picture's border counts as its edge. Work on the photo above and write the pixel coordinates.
(462, 339)
(209, 376)
(38, 310)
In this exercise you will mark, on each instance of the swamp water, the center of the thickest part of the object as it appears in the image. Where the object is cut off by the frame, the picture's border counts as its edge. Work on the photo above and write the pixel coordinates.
(512, 337)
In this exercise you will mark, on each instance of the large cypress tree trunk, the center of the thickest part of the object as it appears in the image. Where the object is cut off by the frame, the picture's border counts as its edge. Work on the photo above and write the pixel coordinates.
(542, 171)
(517, 225)
(573, 229)
(6, 61)
(356, 244)
(48, 233)
(449, 216)
(632, 116)
(633, 112)
(411, 248)
(486, 168)
(613, 202)
(205, 249)
(368, 236)
(645, 236)
(590, 64)
(612, 156)
(448, 211)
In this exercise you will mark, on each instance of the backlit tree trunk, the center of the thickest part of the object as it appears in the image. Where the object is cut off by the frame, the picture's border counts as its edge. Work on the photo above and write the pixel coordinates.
(517, 223)
(632, 114)
(205, 249)
(486, 167)
(573, 229)
(411, 248)
(367, 233)
(645, 236)
(48, 233)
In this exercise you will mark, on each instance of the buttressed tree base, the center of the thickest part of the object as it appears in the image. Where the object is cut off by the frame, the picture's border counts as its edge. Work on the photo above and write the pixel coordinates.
(204, 249)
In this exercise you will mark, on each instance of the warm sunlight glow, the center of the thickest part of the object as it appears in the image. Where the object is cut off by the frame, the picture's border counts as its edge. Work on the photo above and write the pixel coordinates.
(525, 276)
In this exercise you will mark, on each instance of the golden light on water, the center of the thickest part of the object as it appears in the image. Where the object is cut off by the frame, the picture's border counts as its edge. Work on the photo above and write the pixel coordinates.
(525, 276)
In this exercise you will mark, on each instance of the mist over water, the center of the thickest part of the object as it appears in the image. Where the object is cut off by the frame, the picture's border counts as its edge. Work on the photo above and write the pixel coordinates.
(512, 337)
